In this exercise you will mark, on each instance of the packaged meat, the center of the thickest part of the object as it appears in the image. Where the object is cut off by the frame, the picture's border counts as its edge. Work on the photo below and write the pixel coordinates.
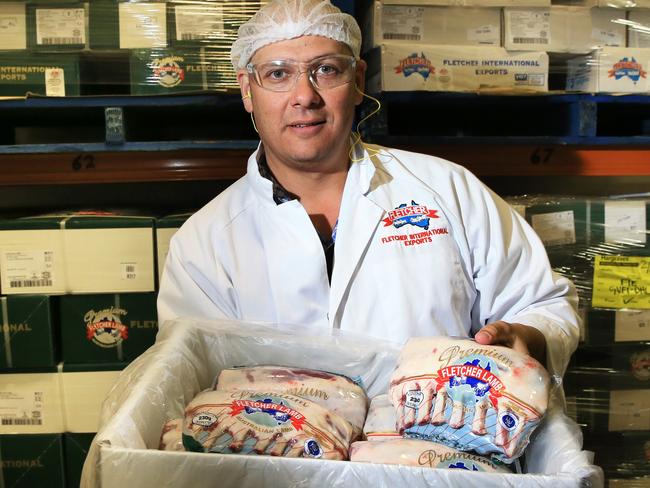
(488, 399)
(416, 452)
(381, 420)
(278, 424)
(337, 393)
(171, 438)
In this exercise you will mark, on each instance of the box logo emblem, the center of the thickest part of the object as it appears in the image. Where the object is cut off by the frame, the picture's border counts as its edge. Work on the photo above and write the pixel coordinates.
(104, 328)
(168, 71)
(629, 68)
(415, 64)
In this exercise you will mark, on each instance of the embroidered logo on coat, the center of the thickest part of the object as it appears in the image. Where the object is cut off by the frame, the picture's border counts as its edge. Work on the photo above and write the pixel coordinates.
(414, 214)
(418, 216)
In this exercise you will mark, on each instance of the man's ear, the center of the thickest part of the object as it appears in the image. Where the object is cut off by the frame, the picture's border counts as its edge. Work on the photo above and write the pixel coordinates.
(245, 89)
(360, 80)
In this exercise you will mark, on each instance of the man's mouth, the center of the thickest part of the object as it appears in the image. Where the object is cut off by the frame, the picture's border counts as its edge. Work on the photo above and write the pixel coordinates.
(300, 125)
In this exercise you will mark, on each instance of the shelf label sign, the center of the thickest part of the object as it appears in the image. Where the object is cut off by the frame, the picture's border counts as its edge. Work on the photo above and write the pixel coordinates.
(621, 282)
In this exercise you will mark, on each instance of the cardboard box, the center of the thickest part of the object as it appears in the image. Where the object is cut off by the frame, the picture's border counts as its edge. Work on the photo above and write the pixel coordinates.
(166, 227)
(82, 252)
(30, 461)
(27, 339)
(75, 447)
(619, 4)
(431, 25)
(611, 70)
(163, 71)
(559, 221)
(622, 224)
(629, 410)
(607, 326)
(30, 403)
(53, 75)
(142, 25)
(13, 26)
(563, 29)
(638, 28)
(472, 3)
(57, 27)
(213, 24)
(420, 67)
(103, 24)
(192, 353)
(107, 328)
(84, 388)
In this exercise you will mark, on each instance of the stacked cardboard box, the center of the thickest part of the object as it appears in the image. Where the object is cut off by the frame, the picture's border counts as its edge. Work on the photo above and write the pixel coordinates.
(603, 245)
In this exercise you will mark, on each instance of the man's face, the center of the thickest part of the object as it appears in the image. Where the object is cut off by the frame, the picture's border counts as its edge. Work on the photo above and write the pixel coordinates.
(303, 128)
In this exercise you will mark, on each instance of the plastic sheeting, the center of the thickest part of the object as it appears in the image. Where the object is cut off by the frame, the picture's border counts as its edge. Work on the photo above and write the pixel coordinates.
(191, 352)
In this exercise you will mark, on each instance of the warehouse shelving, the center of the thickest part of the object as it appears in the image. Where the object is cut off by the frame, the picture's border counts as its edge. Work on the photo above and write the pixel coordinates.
(203, 136)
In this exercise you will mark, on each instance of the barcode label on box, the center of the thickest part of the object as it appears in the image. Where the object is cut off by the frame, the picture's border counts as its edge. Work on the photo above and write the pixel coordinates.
(29, 283)
(391, 36)
(530, 40)
(28, 421)
(63, 26)
(129, 271)
(61, 40)
(27, 270)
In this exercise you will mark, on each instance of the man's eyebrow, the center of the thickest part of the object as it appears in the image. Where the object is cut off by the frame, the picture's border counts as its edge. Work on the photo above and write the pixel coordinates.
(280, 59)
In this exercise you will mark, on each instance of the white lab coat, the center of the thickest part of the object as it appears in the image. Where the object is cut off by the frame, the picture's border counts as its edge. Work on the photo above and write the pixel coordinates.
(242, 256)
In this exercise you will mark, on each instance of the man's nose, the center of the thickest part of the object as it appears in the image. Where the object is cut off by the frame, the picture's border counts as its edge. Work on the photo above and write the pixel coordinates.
(304, 91)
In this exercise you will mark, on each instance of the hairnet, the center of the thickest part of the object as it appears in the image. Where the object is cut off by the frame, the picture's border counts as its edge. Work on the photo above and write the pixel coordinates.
(287, 19)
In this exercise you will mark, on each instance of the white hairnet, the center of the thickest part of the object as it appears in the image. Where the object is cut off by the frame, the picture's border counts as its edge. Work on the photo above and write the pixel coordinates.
(287, 19)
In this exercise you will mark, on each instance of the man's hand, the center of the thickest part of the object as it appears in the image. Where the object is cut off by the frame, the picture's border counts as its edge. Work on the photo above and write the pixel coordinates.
(520, 337)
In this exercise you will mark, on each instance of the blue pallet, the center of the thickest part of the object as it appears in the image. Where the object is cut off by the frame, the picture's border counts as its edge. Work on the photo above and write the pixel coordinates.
(431, 117)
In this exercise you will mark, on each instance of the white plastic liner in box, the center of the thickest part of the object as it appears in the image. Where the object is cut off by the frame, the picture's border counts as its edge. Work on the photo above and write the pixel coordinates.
(190, 353)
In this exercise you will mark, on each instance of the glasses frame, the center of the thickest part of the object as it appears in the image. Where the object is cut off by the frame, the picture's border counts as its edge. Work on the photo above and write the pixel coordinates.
(311, 67)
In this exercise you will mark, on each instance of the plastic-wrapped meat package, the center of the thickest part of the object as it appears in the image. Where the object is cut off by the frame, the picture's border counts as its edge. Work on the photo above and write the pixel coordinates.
(488, 399)
(334, 392)
(277, 424)
(421, 453)
(171, 438)
(381, 420)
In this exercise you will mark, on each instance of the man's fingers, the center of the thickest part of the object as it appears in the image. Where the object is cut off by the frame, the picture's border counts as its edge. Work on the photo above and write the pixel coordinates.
(497, 333)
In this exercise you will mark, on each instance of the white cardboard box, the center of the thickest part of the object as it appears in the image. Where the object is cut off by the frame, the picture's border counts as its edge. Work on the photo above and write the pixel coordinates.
(611, 70)
(190, 353)
(143, 25)
(423, 67)
(563, 29)
(13, 26)
(83, 394)
(462, 26)
(638, 29)
(30, 403)
(50, 255)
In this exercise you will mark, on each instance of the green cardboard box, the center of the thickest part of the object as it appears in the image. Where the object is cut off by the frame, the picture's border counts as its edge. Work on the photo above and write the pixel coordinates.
(52, 75)
(34, 460)
(166, 227)
(103, 25)
(559, 221)
(58, 26)
(76, 448)
(107, 328)
(77, 252)
(162, 71)
(27, 339)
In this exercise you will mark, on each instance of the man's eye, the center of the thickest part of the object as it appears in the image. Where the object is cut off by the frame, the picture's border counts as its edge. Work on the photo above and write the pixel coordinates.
(276, 74)
(326, 70)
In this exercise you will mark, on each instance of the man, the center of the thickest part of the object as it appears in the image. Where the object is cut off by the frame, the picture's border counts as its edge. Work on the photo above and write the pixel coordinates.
(327, 231)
